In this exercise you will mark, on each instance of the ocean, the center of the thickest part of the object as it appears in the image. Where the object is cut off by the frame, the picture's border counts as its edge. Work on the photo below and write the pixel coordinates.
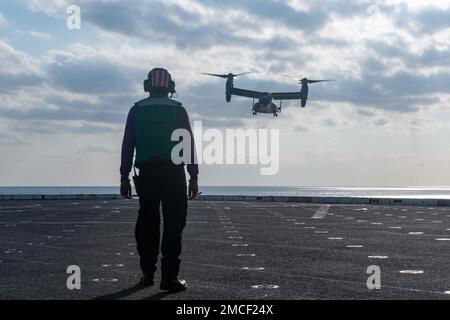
(398, 192)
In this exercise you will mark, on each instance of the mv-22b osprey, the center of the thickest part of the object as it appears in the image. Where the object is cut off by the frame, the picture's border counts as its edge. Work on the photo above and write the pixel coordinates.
(265, 99)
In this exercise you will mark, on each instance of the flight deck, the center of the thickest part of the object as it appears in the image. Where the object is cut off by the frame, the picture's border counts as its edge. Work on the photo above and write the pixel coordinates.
(231, 250)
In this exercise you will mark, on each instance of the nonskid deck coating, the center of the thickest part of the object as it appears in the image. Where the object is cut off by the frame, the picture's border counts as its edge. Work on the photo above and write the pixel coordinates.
(232, 250)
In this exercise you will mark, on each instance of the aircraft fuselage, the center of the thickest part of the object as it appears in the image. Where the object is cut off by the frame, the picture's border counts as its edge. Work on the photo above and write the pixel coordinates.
(265, 108)
(265, 105)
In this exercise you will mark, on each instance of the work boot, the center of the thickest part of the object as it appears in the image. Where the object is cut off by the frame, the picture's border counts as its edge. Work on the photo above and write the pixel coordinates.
(147, 280)
(173, 284)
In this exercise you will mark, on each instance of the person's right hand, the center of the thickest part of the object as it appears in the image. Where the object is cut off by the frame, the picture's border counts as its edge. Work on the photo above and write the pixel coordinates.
(125, 189)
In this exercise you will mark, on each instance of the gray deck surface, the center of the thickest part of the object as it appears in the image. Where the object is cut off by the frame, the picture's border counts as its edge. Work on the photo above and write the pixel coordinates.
(295, 255)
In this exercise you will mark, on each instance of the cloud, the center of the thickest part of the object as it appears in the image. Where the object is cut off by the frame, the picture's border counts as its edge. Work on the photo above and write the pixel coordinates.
(40, 35)
(89, 76)
(434, 19)
(163, 21)
(17, 69)
(50, 7)
(391, 65)
(281, 12)
(334, 123)
(381, 121)
(3, 21)
(225, 36)
(366, 113)
(10, 83)
(57, 127)
(423, 122)
(400, 51)
(14, 62)
(9, 140)
(301, 128)
(63, 113)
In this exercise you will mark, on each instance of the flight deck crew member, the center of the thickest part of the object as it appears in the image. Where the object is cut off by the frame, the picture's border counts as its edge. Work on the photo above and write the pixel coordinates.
(148, 129)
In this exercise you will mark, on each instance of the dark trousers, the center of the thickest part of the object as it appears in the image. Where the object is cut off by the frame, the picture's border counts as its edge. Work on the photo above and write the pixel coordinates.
(161, 183)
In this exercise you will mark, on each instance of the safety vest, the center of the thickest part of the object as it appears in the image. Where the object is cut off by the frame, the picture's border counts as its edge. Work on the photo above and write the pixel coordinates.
(154, 121)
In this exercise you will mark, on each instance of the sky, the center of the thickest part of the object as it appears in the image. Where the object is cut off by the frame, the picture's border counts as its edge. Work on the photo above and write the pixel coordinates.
(385, 121)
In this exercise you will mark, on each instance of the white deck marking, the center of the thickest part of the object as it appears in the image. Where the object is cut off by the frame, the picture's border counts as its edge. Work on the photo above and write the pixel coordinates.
(321, 213)
(12, 251)
(411, 271)
(111, 265)
(377, 257)
(262, 286)
(105, 280)
(309, 277)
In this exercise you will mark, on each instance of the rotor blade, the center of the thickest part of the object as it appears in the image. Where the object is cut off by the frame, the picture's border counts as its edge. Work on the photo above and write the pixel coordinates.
(216, 75)
(314, 81)
(241, 74)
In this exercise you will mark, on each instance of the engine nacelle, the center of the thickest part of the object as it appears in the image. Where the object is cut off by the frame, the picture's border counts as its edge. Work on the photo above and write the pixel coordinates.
(228, 87)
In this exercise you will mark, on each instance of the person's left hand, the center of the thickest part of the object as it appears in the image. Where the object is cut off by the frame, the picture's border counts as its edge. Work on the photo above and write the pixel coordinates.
(125, 189)
(193, 189)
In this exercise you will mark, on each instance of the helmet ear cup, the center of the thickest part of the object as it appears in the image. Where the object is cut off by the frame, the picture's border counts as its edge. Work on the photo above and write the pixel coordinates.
(172, 86)
(146, 86)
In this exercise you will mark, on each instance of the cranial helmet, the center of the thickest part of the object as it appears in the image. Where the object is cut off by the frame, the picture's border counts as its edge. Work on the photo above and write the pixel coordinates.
(159, 78)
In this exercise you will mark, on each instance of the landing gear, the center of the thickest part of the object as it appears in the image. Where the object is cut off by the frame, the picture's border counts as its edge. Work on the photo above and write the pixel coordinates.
(275, 114)
(254, 113)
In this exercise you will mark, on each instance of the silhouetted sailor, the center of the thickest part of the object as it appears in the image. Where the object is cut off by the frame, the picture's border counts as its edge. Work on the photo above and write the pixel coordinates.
(149, 128)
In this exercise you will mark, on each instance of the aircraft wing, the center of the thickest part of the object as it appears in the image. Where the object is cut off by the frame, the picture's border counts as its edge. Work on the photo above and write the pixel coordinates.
(246, 93)
(286, 95)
